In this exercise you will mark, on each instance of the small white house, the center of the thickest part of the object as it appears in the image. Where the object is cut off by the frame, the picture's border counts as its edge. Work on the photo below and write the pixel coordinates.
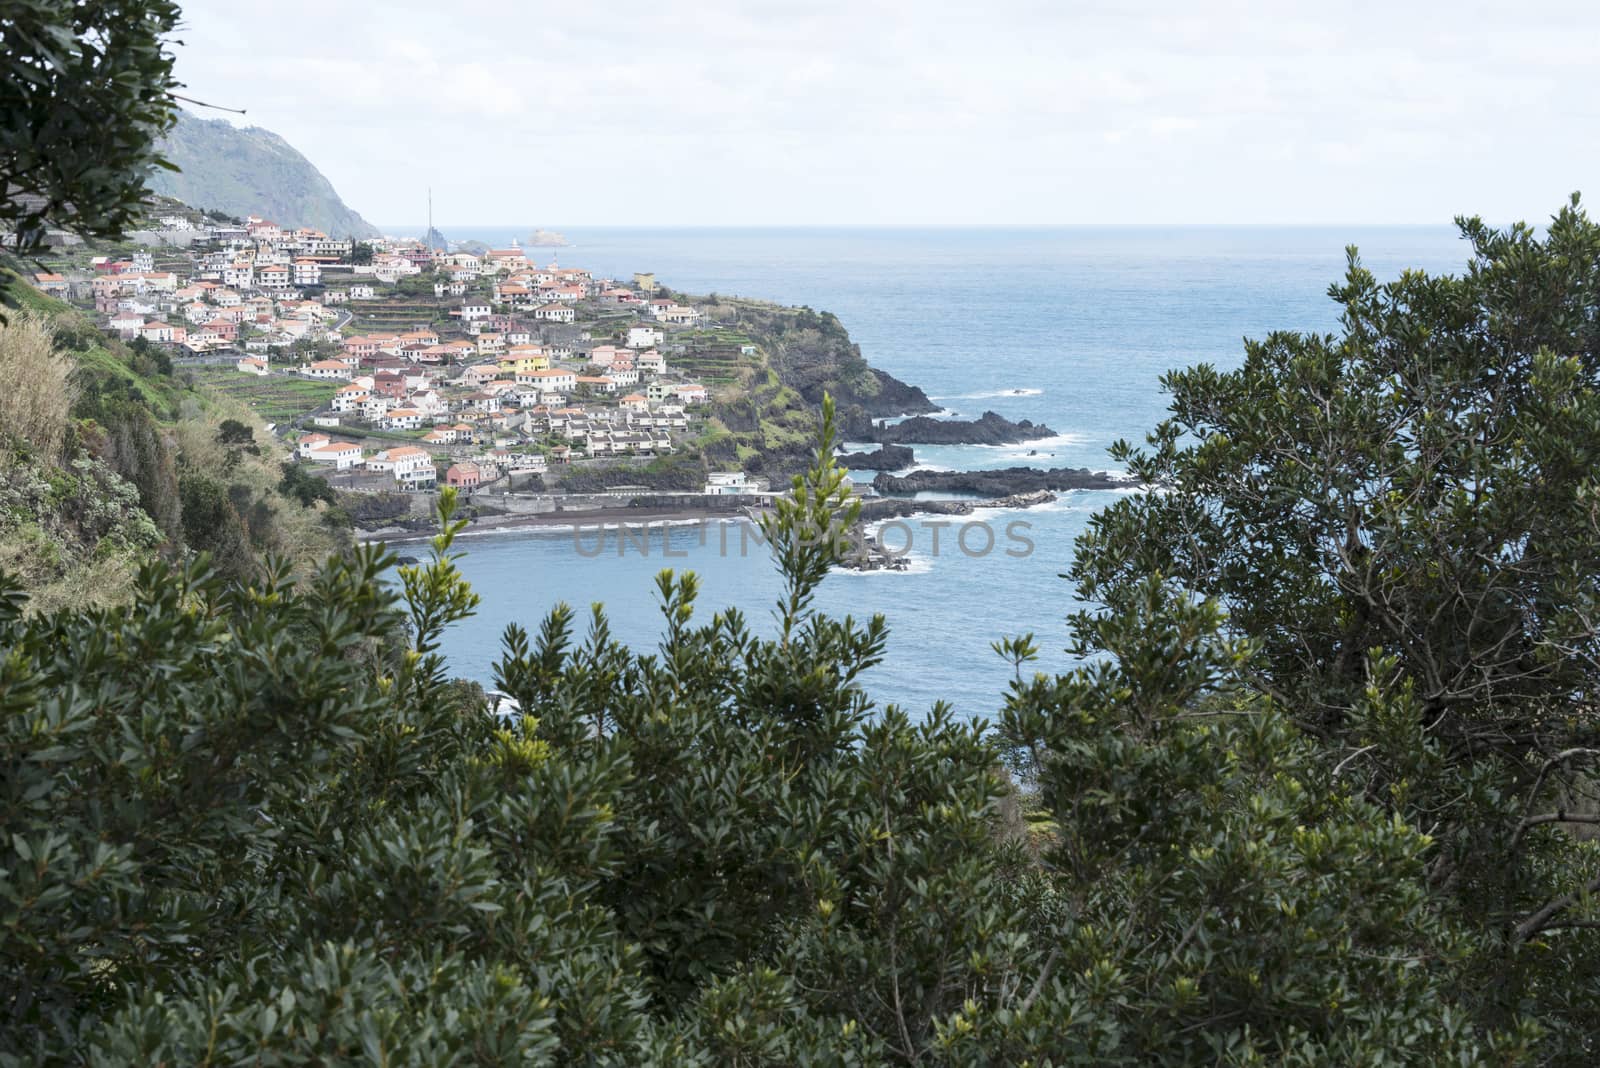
(726, 483)
(341, 454)
(644, 337)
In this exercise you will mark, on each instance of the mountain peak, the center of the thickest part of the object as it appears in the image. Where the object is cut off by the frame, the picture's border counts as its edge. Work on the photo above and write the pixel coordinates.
(249, 170)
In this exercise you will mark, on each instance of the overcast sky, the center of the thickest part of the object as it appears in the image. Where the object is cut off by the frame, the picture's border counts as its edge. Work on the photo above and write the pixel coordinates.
(718, 112)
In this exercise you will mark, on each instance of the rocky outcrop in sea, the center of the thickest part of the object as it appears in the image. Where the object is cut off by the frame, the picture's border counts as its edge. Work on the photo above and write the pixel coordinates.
(990, 428)
(1005, 482)
(883, 458)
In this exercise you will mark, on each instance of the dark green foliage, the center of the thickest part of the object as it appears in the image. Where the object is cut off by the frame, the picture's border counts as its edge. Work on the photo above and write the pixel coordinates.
(237, 438)
(129, 440)
(416, 285)
(148, 359)
(212, 524)
(1400, 520)
(239, 829)
(1212, 891)
(373, 509)
(84, 95)
(682, 472)
(304, 485)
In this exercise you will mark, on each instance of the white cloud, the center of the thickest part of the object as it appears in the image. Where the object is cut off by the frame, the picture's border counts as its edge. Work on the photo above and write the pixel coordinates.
(863, 111)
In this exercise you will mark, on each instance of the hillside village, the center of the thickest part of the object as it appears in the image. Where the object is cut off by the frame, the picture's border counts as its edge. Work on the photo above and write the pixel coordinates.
(390, 364)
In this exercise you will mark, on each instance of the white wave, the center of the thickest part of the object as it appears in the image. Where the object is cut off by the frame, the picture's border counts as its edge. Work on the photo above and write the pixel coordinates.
(990, 394)
(896, 420)
(915, 565)
(1020, 449)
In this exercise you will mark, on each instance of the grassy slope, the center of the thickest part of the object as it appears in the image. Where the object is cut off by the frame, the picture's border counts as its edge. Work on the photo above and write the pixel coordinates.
(276, 399)
(65, 560)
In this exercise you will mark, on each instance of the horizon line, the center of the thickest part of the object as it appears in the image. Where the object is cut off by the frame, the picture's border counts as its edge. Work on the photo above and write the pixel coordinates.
(946, 226)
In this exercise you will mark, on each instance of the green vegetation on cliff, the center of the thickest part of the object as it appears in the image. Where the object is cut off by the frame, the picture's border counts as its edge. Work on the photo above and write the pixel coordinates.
(247, 170)
(768, 368)
(108, 457)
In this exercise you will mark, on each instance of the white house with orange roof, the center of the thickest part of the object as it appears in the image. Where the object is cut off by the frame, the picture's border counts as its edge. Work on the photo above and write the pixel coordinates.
(350, 398)
(403, 419)
(327, 369)
(341, 454)
(565, 293)
(513, 293)
(251, 366)
(598, 383)
(553, 380)
(125, 324)
(555, 313)
(308, 442)
(478, 374)
(307, 272)
(678, 315)
(634, 402)
(411, 465)
(162, 333)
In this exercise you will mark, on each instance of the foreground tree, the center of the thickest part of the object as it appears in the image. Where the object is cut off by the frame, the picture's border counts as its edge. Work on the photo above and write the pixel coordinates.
(253, 822)
(85, 95)
(1402, 522)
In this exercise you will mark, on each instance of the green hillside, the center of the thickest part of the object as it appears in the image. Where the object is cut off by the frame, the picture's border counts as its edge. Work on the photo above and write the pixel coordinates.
(251, 170)
(111, 457)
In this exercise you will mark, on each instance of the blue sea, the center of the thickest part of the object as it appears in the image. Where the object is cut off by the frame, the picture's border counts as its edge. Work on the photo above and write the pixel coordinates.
(1070, 327)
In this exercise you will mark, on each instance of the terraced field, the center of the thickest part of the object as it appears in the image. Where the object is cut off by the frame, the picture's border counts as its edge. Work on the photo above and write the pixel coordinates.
(276, 398)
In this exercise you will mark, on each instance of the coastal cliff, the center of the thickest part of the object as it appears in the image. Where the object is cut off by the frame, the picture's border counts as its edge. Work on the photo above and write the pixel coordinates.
(248, 170)
(768, 367)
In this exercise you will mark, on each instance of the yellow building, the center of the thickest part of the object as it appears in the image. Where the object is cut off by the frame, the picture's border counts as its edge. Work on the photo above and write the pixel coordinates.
(522, 359)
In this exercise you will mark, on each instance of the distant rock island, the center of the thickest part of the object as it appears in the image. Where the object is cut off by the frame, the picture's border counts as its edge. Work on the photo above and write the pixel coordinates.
(990, 428)
(546, 239)
(251, 171)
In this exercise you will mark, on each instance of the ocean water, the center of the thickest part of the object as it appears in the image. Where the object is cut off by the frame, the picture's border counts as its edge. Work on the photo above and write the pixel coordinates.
(1070, 327)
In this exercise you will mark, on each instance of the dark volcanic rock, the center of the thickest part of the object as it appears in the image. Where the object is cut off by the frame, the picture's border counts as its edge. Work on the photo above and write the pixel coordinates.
(990, 428)
(1007, 482)
(877, 509)
(895, 397)
(884, 458)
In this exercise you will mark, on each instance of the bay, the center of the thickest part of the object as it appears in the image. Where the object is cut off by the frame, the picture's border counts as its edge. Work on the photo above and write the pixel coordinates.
(1071, 327)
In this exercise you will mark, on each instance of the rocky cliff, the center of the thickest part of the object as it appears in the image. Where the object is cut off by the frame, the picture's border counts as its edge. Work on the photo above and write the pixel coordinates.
(242, 171)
